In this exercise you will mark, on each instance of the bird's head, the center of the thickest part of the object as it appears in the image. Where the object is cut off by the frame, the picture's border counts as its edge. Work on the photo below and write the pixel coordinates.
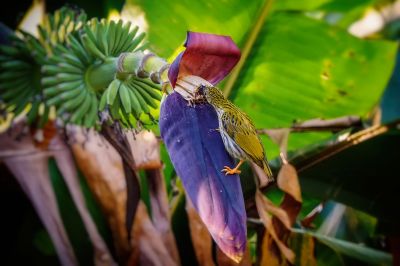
(212, 94)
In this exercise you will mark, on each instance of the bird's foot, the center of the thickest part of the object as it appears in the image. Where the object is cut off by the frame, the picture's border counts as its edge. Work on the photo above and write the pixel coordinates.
(230, 171)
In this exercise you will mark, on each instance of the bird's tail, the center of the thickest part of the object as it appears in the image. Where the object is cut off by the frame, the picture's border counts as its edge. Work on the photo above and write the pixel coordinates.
(267, 171)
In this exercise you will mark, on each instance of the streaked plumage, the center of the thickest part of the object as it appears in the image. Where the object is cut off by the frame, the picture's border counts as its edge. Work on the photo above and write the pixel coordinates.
(237, 131)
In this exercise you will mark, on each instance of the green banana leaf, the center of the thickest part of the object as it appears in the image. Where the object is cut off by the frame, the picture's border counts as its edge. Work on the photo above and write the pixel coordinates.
(362, 253)
(168, 21)
(390, 100)
(308, 71)
(296, 68)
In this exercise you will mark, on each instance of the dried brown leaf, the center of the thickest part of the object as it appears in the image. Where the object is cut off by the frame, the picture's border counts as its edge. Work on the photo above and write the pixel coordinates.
(288, 181)
(66, 164)
(103, 170)
(223, 260)
(29, 165)
(340, 122)
(201, 238)
(268, 206)
(145, 149)
(304, 245)
(147, 247)
(270, 255)
(115, 135)
(271, 230)
(160, 211)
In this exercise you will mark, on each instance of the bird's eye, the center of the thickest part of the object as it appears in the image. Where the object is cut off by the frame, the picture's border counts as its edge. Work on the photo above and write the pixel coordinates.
(201, 88)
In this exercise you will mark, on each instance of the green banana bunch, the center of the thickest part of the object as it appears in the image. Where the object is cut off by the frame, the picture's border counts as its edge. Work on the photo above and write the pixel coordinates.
(21, 60)
(133, 96)
(110, 38)
(56, 28)
(89, 62)
(81, 67)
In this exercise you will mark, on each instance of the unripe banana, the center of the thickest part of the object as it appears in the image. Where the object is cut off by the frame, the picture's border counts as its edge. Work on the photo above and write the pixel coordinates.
(125, 99)
(139, 97)
(150, 90)
(112, 91)
(136, 108)
(82, 109)
(150, 101)
(92, 114)
(91, 47)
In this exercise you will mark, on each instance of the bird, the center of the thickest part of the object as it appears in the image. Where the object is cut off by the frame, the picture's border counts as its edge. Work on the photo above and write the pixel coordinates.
(238, 132)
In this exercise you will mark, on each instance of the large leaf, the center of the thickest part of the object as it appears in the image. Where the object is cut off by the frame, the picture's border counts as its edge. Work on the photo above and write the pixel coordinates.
(296, 76)
(390, 100)
(168, 21)
(368, 183)
(359, 252)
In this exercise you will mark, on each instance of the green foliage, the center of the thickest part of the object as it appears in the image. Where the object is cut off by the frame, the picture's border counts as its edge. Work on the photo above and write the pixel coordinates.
(168, 21)
(288, 79)
(364, 254)
(390, 104)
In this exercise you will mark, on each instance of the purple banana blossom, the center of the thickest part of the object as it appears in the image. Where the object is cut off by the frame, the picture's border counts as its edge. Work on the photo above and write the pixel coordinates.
(196, 148)
(209, 56)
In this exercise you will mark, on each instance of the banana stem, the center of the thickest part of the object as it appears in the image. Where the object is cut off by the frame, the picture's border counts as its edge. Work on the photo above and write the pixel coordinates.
(99, 76)
(144, 65)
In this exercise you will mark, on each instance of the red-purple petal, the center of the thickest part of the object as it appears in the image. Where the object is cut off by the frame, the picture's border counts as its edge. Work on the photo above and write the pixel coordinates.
(198, 155)
(209, 56)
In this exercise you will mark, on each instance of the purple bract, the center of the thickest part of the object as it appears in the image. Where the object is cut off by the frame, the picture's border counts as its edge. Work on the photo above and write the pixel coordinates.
(209, 56)
(196, 148)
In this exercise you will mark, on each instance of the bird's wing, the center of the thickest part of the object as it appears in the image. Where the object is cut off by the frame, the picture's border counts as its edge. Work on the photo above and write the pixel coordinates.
(243, 132)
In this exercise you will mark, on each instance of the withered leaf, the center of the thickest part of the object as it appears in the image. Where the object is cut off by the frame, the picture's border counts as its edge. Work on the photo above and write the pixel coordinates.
(68, 170)
(224, 260)
(103, 170)
(288, 181)
(29, 165)
(160, 211)
(270, 230)
(147, 247)
(145, 149)
(201, 238)
(304, 246)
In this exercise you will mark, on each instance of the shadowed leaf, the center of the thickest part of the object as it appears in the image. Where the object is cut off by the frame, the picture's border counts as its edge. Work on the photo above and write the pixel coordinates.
(160, 210)
(201, 238)
(224, 260)
(29, 165)
(147, 247)
(362, 253)
(68, 170)
(270, 255)
(303, 246)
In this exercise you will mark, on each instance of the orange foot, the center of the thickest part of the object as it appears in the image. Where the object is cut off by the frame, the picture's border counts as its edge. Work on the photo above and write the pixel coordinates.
(230, 171)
